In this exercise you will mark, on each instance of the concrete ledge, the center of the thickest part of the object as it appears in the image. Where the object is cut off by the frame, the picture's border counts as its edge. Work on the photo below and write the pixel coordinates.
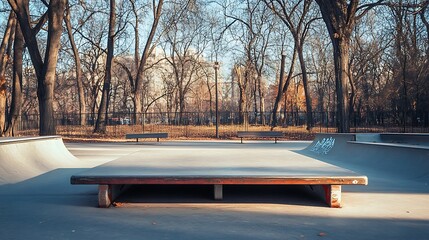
(13, 140)
(395, 145)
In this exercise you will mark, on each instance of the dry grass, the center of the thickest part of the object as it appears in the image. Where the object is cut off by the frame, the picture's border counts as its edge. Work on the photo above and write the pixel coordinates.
(117, 133)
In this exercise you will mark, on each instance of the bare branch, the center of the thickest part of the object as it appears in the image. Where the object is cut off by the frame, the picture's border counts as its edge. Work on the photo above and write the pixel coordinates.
(366, 7)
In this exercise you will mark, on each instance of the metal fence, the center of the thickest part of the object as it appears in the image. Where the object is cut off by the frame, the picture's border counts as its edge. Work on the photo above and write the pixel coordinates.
(373, 121)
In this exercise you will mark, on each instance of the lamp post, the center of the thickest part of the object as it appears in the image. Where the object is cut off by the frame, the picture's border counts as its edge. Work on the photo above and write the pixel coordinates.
(216, 67)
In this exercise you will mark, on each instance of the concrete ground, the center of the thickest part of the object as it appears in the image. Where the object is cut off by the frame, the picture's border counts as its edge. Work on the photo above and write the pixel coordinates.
(48, 207)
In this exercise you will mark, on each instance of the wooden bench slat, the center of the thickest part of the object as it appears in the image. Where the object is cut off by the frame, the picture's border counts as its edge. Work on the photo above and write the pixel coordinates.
(243, 180)
(146, 135)
(260, 134)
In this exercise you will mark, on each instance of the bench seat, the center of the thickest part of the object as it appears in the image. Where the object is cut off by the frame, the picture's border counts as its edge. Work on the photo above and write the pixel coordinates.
(259, 134)
(146, 135)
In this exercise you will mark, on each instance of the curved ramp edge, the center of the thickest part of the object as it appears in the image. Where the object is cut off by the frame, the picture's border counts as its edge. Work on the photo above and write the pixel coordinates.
(369, 153)
(26, 157)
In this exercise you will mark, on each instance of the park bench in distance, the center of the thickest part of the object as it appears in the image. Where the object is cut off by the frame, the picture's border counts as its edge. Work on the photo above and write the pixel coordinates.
(259, 134)
(146, 135)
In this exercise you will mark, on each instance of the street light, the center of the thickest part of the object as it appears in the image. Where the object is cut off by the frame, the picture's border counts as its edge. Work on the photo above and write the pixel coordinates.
(216, 67)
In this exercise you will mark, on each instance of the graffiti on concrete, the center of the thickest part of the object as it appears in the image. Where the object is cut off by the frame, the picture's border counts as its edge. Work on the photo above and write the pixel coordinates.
(323, 146)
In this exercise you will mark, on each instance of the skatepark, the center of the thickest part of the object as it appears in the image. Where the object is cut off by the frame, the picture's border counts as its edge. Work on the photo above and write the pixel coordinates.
(38, 202)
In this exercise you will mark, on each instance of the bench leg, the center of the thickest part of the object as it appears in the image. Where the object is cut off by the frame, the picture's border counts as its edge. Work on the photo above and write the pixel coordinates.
(104, 196)
(218, 192)
(275, 140)
(137, 140)
(157, 139)
(331, 194)
(108, 193)
(241, 140)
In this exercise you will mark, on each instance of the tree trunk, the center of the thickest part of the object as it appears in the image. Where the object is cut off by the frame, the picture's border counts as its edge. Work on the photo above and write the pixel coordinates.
(138, 107)
(209, 90)
(46, 84)
(15, 108)
(5, 50)
(279, 93)
(309, 108)
(81, 94)
(181, 106)
(44, 69)
(283, 89)
(242, 103)
(3, 91)
(340, 18)
(261, 100)
(100, 126)
(341, 60)
(352, 94)
(242, 106)
(255, 100)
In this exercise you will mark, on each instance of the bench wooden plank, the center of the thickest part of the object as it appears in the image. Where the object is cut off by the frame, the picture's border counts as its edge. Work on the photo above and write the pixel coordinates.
(260, 134)
(146, 135)
(242, 180)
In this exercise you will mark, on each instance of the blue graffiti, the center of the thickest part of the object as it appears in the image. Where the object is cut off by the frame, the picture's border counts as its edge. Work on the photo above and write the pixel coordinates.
(323, 146)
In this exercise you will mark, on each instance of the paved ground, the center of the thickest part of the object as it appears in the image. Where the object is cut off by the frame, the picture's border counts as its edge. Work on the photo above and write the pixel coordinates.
(48, 207)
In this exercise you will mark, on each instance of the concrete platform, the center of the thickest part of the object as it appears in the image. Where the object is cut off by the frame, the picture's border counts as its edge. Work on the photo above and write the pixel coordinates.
(392, 206)
(219, 167)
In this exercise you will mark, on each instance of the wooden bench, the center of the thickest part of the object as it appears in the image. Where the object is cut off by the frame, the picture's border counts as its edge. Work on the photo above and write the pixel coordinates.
(217, 169)
(259, 134)
(146, 135)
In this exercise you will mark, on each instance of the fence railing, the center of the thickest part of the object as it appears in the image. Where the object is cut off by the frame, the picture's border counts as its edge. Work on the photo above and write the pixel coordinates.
(373, 121)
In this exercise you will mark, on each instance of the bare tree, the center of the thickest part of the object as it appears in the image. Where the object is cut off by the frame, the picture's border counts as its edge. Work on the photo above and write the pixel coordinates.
(93, 59)
(254, 31)
(184, 43)
(298, 20)
(340, 17)
(410, 67)
(45, 68)
(323, 67)
(16, 103)
(100, 125)
(136, 82)
(78, 68)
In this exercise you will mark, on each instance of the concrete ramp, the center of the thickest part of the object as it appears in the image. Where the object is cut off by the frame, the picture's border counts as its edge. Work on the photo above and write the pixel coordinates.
(26, 157)
(404, 156)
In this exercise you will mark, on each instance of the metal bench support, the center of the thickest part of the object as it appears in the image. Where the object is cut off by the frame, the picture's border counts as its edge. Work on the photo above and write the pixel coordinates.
(218, 191)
